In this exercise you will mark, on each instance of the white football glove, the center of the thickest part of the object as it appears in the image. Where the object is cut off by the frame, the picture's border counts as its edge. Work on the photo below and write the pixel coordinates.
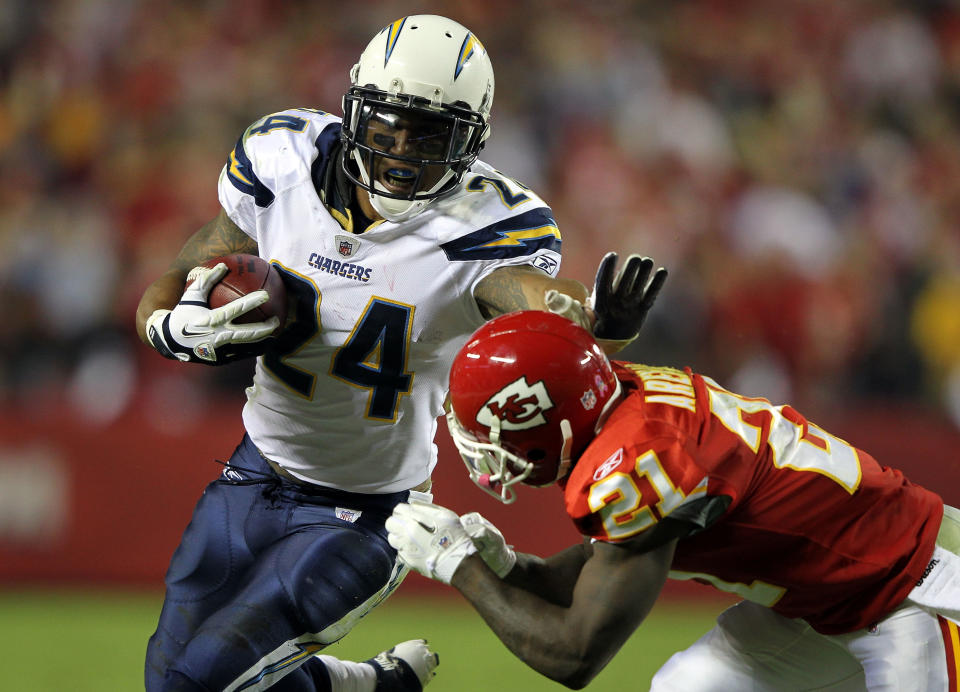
(569, 307)
(193, 332)
(490, 543)
(429, 538)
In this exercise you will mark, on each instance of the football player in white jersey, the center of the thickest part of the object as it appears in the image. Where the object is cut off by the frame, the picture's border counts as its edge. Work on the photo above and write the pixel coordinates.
(394, 242)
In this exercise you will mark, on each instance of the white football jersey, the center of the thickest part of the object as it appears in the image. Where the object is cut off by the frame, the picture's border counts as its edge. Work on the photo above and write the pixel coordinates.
(350, 394)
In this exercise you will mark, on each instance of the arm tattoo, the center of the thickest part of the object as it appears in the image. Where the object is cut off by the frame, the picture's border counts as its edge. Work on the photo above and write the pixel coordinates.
(501, 292)
(218, 238)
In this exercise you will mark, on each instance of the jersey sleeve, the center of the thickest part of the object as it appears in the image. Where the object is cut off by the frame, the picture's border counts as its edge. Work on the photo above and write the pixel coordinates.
(619, 495)
(503, 223)
(271, 155)
(240, 207)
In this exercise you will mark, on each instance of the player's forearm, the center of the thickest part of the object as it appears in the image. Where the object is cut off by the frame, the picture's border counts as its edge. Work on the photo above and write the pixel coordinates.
(217, 238)
(552, 578)
(161, 294)
(538, 632)
(521, 288)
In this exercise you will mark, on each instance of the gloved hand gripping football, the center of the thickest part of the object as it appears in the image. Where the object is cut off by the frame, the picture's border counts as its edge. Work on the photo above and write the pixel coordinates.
(193, 332)
(429, 538)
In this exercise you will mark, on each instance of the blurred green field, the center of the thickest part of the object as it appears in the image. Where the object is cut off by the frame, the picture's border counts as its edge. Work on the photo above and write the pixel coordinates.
(95, 641)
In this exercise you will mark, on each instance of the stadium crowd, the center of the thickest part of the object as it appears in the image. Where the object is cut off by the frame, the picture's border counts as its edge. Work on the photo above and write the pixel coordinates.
(796, 166)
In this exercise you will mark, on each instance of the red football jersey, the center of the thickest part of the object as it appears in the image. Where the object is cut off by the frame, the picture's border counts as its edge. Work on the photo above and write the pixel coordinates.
(815, 528)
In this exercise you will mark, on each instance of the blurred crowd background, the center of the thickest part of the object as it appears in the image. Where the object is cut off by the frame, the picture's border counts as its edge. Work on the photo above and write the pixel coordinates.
(795, 164)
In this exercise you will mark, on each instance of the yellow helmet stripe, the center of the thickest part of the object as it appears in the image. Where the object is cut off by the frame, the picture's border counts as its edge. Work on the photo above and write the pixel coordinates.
(470, 43)
(393, 33)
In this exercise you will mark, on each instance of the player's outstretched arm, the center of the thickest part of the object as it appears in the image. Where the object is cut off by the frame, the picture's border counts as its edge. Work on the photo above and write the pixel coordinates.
(554, 577)
(612, 594)
(509, 289)
(569, 640)
(219, 237)
(613, 312)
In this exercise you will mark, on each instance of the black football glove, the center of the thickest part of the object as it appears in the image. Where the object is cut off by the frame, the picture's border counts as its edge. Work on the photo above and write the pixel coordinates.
(621, 302)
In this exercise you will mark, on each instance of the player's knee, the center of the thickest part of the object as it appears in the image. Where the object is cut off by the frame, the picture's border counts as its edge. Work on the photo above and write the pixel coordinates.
(176, 681)
(339, 572)
(160, 653)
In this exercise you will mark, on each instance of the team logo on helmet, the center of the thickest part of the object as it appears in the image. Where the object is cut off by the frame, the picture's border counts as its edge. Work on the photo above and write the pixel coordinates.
(518, 406)
(470, 43)
(393, 33)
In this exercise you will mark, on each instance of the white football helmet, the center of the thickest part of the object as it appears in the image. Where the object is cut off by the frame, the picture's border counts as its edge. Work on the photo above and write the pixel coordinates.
(416, 114)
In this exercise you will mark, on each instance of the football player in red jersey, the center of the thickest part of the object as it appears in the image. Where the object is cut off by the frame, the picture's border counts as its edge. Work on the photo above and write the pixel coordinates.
(850, 573)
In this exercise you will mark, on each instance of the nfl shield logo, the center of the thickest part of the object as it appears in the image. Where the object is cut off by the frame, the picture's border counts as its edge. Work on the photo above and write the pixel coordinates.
(346, 245)
(351, 515)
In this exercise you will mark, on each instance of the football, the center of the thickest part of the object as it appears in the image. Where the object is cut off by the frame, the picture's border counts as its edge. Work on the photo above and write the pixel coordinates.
(245, 274)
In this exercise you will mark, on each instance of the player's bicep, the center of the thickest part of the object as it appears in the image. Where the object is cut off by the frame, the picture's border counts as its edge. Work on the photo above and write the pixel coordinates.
(219, 237)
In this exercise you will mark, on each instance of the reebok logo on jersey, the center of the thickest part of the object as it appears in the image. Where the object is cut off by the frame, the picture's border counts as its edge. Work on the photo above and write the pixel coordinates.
(547, 264)
(607, 467)
(347, 270)
(518, 406)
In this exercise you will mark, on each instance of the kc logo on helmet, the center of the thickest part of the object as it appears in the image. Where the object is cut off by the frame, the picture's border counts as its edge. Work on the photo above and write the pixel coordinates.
(519, 406)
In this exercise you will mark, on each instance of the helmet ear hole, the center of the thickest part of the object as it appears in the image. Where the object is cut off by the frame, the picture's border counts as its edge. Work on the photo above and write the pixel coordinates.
(536, 454)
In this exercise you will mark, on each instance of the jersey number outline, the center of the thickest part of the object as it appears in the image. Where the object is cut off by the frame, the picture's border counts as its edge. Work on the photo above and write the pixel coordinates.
(278, 121)
(510, 199)
(296, 334)
(619, 502)
(757, 591)
(795, 444)
(374, 356)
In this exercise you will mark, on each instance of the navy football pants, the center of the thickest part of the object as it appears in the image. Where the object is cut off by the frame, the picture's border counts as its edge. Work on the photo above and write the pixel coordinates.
(268, 573)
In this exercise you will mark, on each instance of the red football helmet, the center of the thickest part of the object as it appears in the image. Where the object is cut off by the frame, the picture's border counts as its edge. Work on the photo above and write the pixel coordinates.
(528, 391)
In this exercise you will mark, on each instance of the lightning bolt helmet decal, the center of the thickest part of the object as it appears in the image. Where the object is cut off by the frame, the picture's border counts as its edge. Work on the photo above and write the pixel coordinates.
(470, 42)
(393, 33)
